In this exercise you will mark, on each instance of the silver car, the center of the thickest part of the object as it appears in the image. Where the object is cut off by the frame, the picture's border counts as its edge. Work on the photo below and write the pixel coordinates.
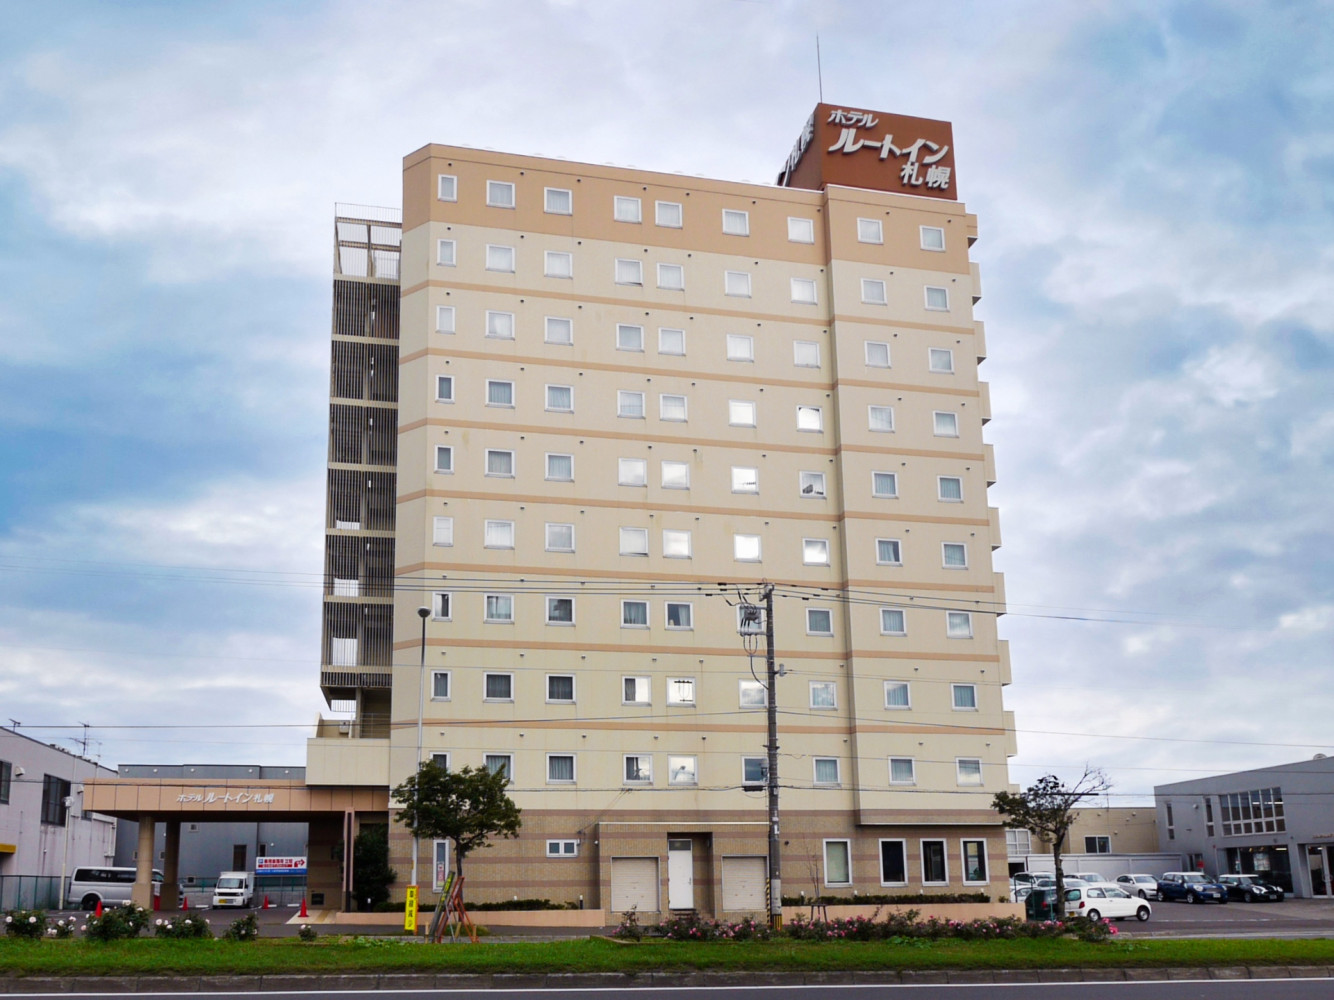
(1143, 886)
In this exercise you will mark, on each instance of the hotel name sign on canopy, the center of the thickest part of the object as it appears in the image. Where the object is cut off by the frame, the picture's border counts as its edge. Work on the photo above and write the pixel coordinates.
(869, 149)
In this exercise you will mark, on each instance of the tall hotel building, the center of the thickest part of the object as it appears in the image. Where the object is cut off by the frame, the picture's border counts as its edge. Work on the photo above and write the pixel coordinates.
(577, 411)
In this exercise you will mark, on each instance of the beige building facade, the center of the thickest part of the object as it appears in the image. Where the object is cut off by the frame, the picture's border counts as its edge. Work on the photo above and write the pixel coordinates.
(579, 413)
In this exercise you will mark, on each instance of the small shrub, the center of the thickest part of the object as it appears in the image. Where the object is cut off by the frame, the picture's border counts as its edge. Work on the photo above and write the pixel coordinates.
(61, 929)
(630, 929)
(244, 929)
(522, 904)
(118, 923)
(307, 933)
(182, 928)
(1095, 931)
(27, 924)
(889, 899)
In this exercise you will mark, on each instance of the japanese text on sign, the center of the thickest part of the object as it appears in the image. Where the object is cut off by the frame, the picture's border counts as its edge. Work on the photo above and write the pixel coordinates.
(937, 177)
(226, 796)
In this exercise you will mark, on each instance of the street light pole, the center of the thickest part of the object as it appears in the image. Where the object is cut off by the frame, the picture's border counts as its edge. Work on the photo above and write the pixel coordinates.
(423, 613)
(775, 859)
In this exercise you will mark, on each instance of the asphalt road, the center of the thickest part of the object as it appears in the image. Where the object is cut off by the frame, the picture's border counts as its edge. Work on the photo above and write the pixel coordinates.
(1291, 918)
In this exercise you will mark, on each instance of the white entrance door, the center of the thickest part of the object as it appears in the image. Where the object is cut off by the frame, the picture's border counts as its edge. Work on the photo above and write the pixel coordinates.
(680, 876)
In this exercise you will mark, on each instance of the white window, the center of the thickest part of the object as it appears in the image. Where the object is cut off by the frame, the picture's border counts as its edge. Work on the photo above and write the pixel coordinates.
(560, 688)
(806, 354)
(897, 695)
(499, 463)
(629, 337)
(935, 866)
(560, 537)
(683, 770)
(811, 485)
(499, 258)
(444, 388)
(945, 424)
(440, 760)
(893, 862)
(740, 347)
(873, 292)
(671, 277)
(736, 283)
(803, 291)
(499, 763)
(560, 468)
(500, 194)
(629, 272)
(500, 325)
(675, 544)
(819, 621)
(440, 685)
(558, 264)
(680, 690)
(499, 393)
(634, 541)
(949, 488)
(498, 535)
(937, 298)
(559, 330)
(444, 458)
(634, 614)
(880, 418)
(635, 691)
(892, 622)
(560, 610)
(632, 471)
(625, 209)
(444, 319)
(815, 551)
(441, 607)
(975, 858)
(877, 354)
(968, 770)
(939, 359)
(671, 341)
(746, 548)
(958, 625)
(884, 484)
(740, 413)
(751, 694)
(837, 862)
(736, 223)
(447, 187)
(499, 609)
(810, 418)
(888, 552)
(954, 555)
(964, 697)
(681, 614)
(800, 230)
(668, 214)
(638, 769)
(933, 238)
(442, 531)
(560, 769)
(870, 231)
(557, 201)
(630, 404)
(675, 475)
(560, 398)
(902, 771)
(754, 772)
(446, 253)
(745, 479)
(826, 770)
(671, 407)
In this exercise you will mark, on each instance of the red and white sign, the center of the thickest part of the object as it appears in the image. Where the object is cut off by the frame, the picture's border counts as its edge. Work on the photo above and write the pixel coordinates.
(280, 866)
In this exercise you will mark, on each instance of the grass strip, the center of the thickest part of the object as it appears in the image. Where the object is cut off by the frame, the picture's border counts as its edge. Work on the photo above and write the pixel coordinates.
(287, 956)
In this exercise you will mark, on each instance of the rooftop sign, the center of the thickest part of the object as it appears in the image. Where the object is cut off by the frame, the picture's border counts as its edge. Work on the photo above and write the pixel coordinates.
(869, 149)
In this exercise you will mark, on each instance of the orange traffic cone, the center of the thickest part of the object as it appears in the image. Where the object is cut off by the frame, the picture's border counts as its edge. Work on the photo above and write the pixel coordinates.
(98, 911)
(185, 901)
(303, 912)
(266, 902)
(157, 901)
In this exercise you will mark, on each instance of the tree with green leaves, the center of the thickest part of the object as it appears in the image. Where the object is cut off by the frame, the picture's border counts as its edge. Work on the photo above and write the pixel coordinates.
(468, 807)
(371, 874)
(1047, 808)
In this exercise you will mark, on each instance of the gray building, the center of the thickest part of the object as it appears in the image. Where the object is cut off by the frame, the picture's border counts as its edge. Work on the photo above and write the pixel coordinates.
(1273, 822)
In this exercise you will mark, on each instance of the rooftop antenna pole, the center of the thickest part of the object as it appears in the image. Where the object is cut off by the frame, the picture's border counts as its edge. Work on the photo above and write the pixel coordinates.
(819, 72)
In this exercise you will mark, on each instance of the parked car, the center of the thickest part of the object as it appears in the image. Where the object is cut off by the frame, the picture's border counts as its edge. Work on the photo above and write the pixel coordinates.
(1092, 877)
(234, 889)
(1143, 886)
(89, 886)
(1105, 901)
(1250, 889)
(1190, 886)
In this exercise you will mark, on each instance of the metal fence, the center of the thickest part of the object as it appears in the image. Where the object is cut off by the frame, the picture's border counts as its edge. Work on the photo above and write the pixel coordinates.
(30, 892)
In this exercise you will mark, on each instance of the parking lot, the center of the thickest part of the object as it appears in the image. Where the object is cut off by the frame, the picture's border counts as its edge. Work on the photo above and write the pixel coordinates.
(1290, 918)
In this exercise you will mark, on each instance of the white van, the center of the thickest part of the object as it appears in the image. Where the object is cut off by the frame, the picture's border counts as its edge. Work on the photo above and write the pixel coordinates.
(108, 886)
(234, 889)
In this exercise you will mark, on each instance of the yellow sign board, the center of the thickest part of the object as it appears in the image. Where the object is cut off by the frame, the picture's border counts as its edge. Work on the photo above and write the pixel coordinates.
(410, 910)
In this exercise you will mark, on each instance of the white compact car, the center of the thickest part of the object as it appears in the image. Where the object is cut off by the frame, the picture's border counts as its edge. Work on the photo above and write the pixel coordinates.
(1143, 886)
(1105, 902)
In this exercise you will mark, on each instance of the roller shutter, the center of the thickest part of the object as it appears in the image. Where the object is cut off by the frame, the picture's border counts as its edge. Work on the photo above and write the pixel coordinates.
(634, 885)
(743, 884)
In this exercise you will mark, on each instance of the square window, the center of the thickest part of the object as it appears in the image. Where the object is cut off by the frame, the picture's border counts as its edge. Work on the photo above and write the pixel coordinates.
(444, 458)
(668, 214)
(937, 298)
(877, 354)
(560, 537)
(638, 769)
(806, 354)
(675, 475)
(671, 341)
(634, 614)
(870, 231)
(560, 468)
(671, 277)
(888, 552)
(558, 264)
(885, 484)
(629, 272)
(500, 194)
(671, 407)
(560, 768)
(815, 552)
(746, 548)
(675, 544)
(803, 291)
(498, 535)
(736, 223)
(625, 209)
(560, 398)
(499, 687)
(634, 541)
(629, 337)
(447, 187)
(740, 347)
(441, 607)
(560, 688)
(902, 771)
(440, 685)
(499, 608)
(559, 330)
(949, 488)
(440, 760)
(958, 625)
(811, 485)
(499, 763)
(935, 871)
(736, 283)
(933, 238)
(500, 463)
(682, 770)
(635, 691)
(955, 555)
(499, 393)
(499, 258)
(446, 253)
(837, 863)
(964, 697)
(819, 621)
(897, 695)
(740, 413)
(557, 201)
(880, 418)
(893, 622)
(800, 230)
(442, 531)
(752, 694)
(826, 770)
(560, 610)
(681, 615)
(754, 772)
(893, 862)
(945, 424)
(873, 292)
(630, 404)
(444, 388)
(968, 771)
(632, 471)
(500, 325)
(745, 479)
(940, 360)
(810, 418)
(444, 319)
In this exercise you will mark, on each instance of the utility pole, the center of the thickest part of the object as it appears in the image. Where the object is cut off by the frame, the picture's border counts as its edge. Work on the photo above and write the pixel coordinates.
(423, 613)
(771, 672)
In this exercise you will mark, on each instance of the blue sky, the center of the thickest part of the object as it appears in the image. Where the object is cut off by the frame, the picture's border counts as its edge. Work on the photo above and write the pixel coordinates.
(1154, 182)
